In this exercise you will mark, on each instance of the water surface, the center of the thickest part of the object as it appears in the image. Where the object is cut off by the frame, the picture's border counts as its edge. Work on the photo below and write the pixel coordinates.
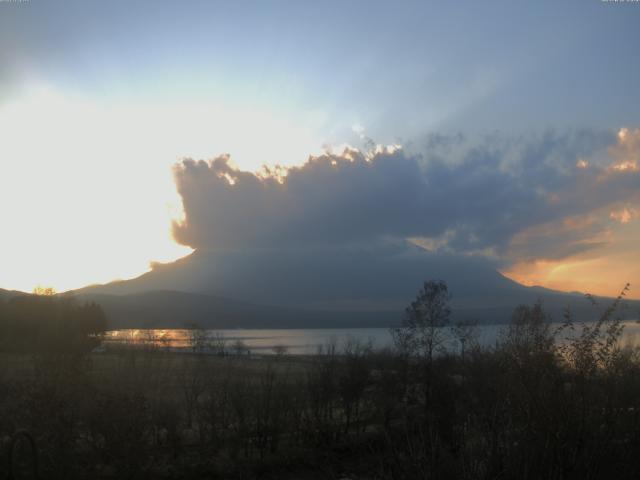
(301, 341)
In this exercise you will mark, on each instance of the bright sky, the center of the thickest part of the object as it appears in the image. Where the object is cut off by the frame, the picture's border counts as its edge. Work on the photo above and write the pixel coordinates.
(99, 99)
(87, 187)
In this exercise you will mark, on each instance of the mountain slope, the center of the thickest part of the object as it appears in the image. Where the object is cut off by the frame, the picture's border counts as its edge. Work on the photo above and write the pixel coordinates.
(168, 309)
(8, 294)
(354, 287)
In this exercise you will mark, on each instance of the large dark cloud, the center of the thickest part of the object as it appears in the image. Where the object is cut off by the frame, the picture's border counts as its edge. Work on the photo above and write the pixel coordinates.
(476, 197)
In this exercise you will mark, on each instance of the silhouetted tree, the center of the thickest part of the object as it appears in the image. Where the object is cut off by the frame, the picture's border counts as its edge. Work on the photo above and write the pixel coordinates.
(197, 337)
(421, 335)
(421, 332)
(47, 323)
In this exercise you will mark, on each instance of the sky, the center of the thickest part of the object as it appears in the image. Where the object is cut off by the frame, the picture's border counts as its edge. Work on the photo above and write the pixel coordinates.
(131, 133)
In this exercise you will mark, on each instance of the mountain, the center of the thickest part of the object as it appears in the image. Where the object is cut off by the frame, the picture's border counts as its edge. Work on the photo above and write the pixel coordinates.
(171, 309)
(324, 278)
(289, 288)
(8, 294)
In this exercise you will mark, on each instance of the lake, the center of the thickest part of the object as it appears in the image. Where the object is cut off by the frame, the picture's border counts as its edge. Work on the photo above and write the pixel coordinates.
(299, 341)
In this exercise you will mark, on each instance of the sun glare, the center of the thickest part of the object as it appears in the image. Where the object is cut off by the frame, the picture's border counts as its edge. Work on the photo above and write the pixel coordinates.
(87, 194)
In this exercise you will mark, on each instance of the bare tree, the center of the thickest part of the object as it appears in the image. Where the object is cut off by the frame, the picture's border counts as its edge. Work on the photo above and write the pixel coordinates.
(280, 350)
(218, 343)
(239, 347)
(196, 338)
(421, 333)
(466, 333)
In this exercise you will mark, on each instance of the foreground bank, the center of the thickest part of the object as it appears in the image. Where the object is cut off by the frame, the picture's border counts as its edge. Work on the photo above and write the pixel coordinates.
(528, 407)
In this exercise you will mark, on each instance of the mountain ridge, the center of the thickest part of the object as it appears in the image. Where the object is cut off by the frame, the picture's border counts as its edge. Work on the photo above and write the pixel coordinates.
(337, 289)
(287, 288)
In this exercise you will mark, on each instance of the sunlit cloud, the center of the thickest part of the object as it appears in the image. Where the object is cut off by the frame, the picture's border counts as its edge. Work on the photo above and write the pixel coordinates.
(595, 251)
(625, 214)
(603, 270)
(584, 254)
(625, 166)
(438, 244)
(626, 153)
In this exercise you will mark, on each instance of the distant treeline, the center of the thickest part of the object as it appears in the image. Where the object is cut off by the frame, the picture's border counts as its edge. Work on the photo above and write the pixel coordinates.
(49, 323)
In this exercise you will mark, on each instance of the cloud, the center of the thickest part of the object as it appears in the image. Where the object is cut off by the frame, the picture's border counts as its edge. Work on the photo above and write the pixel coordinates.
(331, 199)
(538, 208)
(559, 239)
(501, 197)
(626, 152)
(625, 214)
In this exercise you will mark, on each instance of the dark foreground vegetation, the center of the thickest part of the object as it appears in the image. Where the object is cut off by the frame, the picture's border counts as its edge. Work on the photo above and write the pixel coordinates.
(47, 323)
(548, 401)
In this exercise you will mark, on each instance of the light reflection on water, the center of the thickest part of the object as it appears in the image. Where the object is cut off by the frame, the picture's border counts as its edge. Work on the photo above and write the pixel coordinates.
(301, 341)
